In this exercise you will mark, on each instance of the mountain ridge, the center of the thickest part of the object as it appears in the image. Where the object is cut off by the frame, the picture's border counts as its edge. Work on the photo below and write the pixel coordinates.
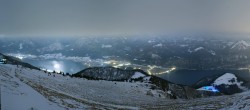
(176, 90)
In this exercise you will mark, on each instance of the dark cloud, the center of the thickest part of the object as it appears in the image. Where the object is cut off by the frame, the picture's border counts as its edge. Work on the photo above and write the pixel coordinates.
(83, 17)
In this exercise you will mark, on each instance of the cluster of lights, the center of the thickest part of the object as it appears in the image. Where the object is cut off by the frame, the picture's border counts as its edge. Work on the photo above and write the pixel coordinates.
(163, 72)
(150, 68)
(97, 62)
(88, 64)
(117, 64)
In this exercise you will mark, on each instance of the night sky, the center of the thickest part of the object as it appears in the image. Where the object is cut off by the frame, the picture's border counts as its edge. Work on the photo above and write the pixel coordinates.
(102, 17)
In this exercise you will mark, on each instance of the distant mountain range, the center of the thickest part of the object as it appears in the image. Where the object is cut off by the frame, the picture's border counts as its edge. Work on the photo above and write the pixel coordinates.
(188, 52)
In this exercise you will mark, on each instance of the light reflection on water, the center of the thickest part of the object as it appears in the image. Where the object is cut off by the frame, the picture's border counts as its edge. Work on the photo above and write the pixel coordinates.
(66, 66)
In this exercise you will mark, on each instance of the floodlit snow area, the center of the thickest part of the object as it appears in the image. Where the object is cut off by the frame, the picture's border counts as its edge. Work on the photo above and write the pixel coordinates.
(209, 88)
(26, 89)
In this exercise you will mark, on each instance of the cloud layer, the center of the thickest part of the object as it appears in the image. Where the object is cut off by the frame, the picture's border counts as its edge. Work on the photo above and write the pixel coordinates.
(84, 17)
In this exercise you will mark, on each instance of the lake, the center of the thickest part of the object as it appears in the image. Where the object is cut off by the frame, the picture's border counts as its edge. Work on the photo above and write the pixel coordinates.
(185, 77)
(189, 77)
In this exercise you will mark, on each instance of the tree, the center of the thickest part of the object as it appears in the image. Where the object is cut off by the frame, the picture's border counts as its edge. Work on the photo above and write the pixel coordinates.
(67, 74)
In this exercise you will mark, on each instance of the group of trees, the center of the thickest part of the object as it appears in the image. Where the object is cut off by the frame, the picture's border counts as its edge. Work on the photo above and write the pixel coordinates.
(54, 72)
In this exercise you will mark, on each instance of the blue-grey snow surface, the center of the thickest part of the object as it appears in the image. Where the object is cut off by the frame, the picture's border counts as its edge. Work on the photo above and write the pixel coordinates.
(24, 89)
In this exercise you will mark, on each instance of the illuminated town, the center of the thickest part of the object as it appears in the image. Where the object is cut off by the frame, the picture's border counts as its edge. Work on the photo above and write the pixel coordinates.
(150, 69)
(88, 62)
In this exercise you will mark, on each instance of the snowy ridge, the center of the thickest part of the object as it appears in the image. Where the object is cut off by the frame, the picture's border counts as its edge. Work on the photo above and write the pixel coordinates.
(196, 49)
(202, 48)
(240, 45)
(199, 48)
(227, 79)
(229, 84)
(158, 45)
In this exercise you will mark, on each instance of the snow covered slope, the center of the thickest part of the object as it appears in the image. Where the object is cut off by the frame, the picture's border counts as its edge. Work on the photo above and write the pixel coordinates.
(227, 79)
(228, 84)
(75, 93)
(26, 89)
(16, 95)
(138, 75)
(242, 103)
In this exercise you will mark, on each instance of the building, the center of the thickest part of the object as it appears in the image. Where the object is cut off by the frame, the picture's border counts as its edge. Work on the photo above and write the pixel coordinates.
(2, 60)
(209, 88)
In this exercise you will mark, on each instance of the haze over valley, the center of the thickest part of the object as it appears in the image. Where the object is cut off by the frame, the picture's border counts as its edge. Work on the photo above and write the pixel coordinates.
(124, 55)
(165, 56)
